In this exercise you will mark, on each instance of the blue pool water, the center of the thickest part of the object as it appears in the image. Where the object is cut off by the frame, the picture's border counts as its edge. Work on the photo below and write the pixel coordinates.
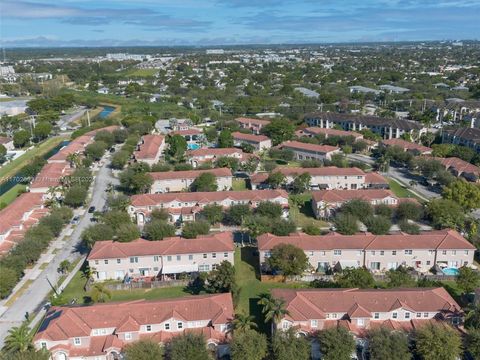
(193, 146)
(107, 110)
(450, 271)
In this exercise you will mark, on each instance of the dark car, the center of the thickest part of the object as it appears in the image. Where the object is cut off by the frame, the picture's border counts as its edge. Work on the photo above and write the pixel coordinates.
(91, 209)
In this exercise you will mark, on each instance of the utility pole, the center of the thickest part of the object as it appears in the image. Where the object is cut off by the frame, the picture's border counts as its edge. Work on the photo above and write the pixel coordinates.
(53, 288)
(88, 118)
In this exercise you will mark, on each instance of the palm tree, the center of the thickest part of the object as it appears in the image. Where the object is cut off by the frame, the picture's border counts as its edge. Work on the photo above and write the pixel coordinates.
(243, 322)
(74, 160)
(19, 339)
(273, 309)
(100, 293)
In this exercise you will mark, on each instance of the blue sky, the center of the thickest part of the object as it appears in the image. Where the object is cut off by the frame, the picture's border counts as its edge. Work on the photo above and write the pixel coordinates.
(216, 22)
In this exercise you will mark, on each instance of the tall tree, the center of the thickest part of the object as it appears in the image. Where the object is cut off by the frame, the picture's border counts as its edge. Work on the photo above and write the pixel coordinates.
(356, 278)
(273, 309)
(205, 182)
(143, 350)
(288, 259)
(225, 139)
(248, 345)
(279, 130)
(286, 345)
(466, 194)
(243, 322)
(386, 344)
(188, 346)
(437, 342)
(18, 340)
(467, 280)
(222, 279)
(336, 344)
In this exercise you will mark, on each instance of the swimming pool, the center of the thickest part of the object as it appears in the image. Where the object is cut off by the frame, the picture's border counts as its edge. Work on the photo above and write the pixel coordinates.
(450, 271)
(193, 146)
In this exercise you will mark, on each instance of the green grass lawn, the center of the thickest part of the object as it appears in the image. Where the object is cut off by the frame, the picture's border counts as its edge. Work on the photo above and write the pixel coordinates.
(141, 72)
(11, 195)
(239, 184)
(399, 190)
(301, 211)
(13, 167)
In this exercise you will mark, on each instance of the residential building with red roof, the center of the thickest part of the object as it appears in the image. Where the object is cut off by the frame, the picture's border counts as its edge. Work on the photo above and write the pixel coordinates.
(255, 125)
(164, 260)
(312, 131)
(190, 135)
(305, 151)
(204, 155)
(50, 176)
(408, 146)
(378, 253)
(328, 178)
(185, 206)
(259, 142)
(460, 168)
(325, 202)
(150, 149)
(359, 310)
(174, 181)
(101, 331)
(25, 211)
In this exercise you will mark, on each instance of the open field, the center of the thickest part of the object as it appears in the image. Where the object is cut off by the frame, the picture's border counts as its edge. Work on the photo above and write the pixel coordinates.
(141, 72)
(239, 184)
(301, 211)
(41, 149)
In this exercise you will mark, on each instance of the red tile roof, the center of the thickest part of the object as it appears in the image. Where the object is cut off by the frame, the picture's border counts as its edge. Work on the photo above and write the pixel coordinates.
(12, 215)
(207, 197)
(407, 145)
(219, 242)
(189, 174)
(249, 137)
(190, 132)
(332, 196)
(333, 132)
(375, 178)
(51, 175)
(248, 121)
(459, 165)
(214, 152)
(309, 304)
(297, 145)
(441, 239)
(62, 323)
(149, 147)
(5, 140)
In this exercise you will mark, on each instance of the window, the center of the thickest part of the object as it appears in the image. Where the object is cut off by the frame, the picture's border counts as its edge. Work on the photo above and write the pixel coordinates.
(214, 255)
(204, 256)
(130, 270)
(407, 315)
(169, 258)
(214, 266)
(134, 259)
(203, 267)
(444, 252)
(454, 252)
(334, 316)
(382, 252)
(408, 252)
(428, 262)
(360, 322)
(156, 258)
(167, 326)
(313, 323)
(106, 262)
(43, 345)
(372, 252)
(119, 261)
(179, 325)
(425, 314)
(149, 327)
(359, 253)
(376, 316)
(96, 262)
(394, 315)
(155, 268)
(430, 252)
(77, 341)
(466, 252)
(394, 252)
(190, 257)
(337, 252)
(285, 325)
(419, 315)
(179, 257)
(311, 253)
(128, 336)
(225, 255)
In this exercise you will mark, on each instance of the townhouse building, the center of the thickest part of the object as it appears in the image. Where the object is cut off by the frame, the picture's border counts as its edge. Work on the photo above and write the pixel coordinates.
(150, 149)
(460, 168)
(378, 253)
(358, 310)
(204, 155)
(387, 128)
(101, 331)
(325, 202)
(414, 148)
(328, 178)
(328, 132)
(50, 177)
(24, 212)
(191, 136)
(255, 125)
(305, 151)
(183, 207)
(160, 260)
(259, 142)
(173, 181)
(469, 137)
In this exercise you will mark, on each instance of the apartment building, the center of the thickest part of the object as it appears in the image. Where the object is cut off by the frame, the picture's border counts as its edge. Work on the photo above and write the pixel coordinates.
(325, 202)
(163, 260)
(328, 178)
(259, 142)
(185, 206)
(378, 253)
(414, 148)
(50, 177)
(311, 310)
(101, 331)
(469, 137)
(150, 149)
(173, 181)
(327, 132)
(387, 128)
(460, 168)
(24, 212)
(204, 155)
(255, 125)
(305, 151)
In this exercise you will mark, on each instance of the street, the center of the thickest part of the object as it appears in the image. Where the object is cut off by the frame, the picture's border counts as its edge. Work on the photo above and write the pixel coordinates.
(35, 296)
(67, 119)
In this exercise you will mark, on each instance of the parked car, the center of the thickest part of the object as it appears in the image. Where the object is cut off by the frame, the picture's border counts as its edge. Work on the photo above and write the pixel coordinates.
(75, 220)
(91, 209)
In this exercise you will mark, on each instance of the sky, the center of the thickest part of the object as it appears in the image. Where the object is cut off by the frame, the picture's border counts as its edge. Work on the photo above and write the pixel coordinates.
(233, 22)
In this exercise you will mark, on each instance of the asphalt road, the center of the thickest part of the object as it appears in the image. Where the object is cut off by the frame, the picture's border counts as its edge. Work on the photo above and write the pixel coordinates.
(67, 119)
(34, 298)
(401, 175)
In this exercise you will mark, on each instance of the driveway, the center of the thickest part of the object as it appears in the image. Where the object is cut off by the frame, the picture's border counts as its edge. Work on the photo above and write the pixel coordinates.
(34, 297)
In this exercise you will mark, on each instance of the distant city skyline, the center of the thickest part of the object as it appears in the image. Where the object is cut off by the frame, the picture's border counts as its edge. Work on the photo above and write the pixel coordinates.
(233, 22)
